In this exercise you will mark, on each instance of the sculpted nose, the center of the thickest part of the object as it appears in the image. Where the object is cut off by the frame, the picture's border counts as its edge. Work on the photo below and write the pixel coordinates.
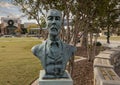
(53, 22)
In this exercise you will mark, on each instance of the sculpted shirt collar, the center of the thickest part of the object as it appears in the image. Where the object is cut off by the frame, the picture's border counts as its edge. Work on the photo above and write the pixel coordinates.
(49, 42)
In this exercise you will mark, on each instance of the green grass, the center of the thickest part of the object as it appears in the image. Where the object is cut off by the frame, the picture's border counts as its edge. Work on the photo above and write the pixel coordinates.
(18, 66)
(115, 38)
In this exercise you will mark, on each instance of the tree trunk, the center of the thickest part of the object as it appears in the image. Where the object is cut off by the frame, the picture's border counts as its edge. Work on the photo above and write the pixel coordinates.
(108, 34)
(84, 39)
(62, 34)
(90, 47)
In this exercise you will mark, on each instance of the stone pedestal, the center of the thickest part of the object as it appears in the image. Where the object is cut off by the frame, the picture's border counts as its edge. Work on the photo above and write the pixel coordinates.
(63, 81)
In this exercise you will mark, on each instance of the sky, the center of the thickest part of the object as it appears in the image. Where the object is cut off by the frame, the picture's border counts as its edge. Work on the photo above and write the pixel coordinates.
(8, 9)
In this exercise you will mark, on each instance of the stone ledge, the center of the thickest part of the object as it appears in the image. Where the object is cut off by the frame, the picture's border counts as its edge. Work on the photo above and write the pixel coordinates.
(103, 55)
(104, 73)
(105, 76)
(109, 52)
(101, 62)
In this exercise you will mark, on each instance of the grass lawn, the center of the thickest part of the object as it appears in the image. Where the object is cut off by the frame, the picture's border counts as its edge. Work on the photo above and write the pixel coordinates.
(18, 66)
(116, 38)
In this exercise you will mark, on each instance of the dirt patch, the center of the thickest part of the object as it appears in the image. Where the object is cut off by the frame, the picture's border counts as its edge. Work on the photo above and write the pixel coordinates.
(83, 73)
(117, 65)
(117, 70)
(83, 69)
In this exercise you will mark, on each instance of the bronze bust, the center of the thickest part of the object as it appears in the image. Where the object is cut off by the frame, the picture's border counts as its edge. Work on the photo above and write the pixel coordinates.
(54, 53)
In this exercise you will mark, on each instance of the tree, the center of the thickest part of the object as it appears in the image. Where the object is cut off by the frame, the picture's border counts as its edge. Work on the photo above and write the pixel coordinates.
(32, 8)
(87, 16)
(108, 13)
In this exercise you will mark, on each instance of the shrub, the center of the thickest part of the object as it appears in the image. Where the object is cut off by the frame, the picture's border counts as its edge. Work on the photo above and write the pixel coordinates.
(98, 44)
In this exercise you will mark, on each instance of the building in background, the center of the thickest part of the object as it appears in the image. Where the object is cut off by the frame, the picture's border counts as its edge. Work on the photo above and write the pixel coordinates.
(32, 28)
(10, 25)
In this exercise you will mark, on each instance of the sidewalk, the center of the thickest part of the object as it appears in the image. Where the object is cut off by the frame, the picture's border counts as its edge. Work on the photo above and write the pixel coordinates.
(113, 44)
(35, 82)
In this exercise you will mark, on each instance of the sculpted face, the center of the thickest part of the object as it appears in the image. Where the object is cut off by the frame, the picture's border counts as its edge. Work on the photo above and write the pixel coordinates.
(53, 21)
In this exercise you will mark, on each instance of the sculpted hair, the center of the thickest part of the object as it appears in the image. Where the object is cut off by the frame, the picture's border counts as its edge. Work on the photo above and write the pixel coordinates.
(50, 10)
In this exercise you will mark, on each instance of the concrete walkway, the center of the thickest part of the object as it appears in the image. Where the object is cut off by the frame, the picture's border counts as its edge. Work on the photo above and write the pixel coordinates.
(35, 82)
(113, 44)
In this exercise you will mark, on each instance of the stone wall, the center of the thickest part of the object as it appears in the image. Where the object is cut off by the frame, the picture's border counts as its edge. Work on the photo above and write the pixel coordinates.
(104, 64)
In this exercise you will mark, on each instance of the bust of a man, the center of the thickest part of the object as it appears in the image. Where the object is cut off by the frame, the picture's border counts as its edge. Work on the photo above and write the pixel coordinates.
(54, 53)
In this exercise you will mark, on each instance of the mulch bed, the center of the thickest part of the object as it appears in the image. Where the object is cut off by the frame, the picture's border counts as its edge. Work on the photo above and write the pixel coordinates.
(83, 73)
(117, 70)
(83, 70)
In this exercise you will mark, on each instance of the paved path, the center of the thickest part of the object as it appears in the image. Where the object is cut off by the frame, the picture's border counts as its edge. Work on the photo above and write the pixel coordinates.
(112, 44)
(35, 82)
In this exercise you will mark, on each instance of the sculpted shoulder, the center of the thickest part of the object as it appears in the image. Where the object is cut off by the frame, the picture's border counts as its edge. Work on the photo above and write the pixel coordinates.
(69, 51)
(37, 49)
(70, 48)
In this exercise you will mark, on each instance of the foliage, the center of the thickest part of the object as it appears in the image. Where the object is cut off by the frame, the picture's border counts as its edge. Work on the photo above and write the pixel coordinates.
(110, 17)
(43, 23)
(32, 26)
(113, 38)
(98, 44)
(88, 16)
(93, 11)
(32, 8)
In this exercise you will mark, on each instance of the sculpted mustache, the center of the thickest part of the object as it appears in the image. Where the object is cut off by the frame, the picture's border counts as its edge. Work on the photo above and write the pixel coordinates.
(53, 27)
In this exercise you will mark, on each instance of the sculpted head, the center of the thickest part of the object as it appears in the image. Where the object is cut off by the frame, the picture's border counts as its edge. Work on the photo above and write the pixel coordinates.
(53, 21)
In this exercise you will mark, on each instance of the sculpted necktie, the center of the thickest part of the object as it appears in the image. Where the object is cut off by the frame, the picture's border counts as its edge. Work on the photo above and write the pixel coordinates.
(58, 59)
(54, 48)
